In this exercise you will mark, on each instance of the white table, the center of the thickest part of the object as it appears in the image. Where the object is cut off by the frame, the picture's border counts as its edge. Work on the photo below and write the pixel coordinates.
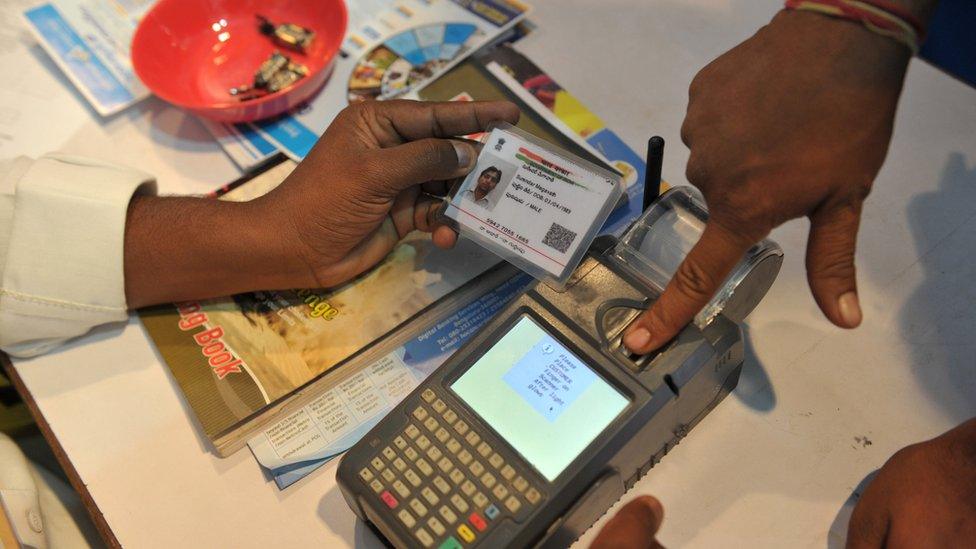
(816, 410)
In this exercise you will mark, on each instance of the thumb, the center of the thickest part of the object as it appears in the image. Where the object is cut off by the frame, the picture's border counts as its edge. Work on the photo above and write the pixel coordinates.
(424, 160)
(830, 263)
(694, 283)
(633, 527)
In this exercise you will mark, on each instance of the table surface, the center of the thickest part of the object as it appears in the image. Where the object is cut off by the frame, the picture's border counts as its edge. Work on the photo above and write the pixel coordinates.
(817, 408)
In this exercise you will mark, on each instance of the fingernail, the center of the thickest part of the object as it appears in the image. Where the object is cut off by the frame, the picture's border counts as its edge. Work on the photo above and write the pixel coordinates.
(463, 152)
(637, 339)
(850, 309)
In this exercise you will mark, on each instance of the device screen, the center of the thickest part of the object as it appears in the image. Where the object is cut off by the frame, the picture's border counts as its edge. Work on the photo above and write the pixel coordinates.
(545, 401)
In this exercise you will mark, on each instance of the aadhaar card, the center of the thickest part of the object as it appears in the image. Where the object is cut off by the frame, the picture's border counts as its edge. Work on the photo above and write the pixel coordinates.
(533, 204)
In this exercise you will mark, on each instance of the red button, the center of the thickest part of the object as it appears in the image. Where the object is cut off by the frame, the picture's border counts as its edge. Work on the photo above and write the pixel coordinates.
(388, 499)
(478, 522)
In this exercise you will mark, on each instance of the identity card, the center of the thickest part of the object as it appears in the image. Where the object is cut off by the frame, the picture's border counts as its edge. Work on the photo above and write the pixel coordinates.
(533, 204)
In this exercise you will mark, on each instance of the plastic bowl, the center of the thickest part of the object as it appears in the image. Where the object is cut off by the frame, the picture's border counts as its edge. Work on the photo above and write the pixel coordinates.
(191, 53)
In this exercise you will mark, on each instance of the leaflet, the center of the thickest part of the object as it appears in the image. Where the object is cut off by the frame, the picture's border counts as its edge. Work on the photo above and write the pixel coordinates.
(532, 204)
(89, 40)
(327, 426)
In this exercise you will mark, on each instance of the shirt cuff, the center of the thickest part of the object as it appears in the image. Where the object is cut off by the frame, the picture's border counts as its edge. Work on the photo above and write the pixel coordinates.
(64, 271)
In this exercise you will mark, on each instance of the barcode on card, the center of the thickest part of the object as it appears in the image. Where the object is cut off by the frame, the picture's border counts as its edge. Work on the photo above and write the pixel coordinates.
(559, 238)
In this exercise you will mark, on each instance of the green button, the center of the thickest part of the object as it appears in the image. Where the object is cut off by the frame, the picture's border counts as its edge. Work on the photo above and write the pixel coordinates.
(450, 543)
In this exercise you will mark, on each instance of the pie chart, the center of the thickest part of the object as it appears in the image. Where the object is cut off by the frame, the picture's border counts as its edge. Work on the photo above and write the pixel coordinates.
(409, 59)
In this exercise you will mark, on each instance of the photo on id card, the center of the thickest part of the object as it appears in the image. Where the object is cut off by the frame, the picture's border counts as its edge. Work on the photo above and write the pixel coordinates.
(532, 204)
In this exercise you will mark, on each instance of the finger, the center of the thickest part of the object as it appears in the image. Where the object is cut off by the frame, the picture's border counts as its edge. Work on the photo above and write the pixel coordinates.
(697, 279)
(868, 527)
(412, 120)
(412, 211)
(425, 213)
(402, 211)
(444, 237)
(634, 526)
(418, 162)
(436, 188)
(830, 263)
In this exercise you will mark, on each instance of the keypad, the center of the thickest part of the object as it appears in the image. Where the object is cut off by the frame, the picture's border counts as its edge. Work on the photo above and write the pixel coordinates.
(444, 483)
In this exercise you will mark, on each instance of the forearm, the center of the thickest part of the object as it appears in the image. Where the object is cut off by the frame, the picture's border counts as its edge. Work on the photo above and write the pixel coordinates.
(179, 249)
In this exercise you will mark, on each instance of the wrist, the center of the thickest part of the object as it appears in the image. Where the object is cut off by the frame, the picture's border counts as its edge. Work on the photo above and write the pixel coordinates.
(903, 21)
(179, 249)
(841, 42)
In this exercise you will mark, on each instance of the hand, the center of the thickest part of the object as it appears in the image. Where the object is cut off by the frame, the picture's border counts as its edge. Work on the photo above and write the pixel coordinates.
(367, 183)
(793, 122)
(363, 187)
(633, 527)
(924, 496)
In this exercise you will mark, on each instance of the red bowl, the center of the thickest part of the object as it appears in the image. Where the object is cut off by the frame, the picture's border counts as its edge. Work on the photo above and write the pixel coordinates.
(191, 53)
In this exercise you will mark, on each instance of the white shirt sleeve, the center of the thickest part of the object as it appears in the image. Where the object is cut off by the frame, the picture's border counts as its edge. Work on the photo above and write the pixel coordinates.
(62, 227)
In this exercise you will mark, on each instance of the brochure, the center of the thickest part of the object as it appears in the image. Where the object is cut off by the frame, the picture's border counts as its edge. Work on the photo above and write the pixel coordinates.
(89, 40)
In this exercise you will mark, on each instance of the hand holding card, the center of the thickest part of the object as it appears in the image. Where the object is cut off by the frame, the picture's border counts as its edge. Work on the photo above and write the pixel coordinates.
(533, 204)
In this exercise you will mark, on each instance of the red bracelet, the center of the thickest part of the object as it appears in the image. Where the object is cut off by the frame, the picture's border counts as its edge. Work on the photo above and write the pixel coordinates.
(897, 24)
(901, 13)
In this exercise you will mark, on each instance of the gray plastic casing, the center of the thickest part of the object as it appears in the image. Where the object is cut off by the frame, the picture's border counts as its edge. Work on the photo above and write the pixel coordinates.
(670, 391)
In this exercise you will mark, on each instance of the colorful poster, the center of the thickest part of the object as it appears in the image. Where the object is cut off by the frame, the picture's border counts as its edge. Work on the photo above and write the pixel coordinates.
(401, 51)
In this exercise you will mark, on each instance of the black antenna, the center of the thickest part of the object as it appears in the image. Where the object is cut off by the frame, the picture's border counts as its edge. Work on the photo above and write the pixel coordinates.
(652, 175)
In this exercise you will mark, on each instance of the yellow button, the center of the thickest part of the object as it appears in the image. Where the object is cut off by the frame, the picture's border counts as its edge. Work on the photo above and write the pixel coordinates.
(436, 526)
(484, 449)
(453, 446)
(508, 472)
(456, 476)
(450, 416)
(520, 484)
(513, 504)
(480, 499)
(442, 485)
(412, 477)
(441, 434)
(466, 534)
(447, 514)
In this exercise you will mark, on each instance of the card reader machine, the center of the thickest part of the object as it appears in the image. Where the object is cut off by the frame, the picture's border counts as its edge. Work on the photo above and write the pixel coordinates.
(537, 425)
